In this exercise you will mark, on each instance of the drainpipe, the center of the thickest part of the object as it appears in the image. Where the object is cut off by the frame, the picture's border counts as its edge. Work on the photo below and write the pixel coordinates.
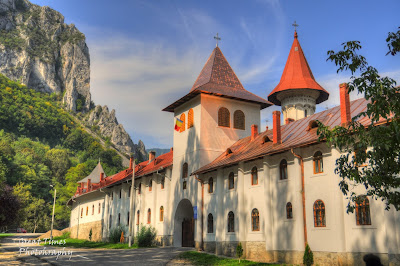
(202, 210)
(303, 195)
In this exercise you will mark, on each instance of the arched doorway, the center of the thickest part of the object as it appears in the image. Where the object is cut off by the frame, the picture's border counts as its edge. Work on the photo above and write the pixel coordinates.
(184, 224)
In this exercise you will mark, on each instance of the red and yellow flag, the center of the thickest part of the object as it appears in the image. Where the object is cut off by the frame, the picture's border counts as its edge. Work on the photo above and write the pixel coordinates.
(178, 124)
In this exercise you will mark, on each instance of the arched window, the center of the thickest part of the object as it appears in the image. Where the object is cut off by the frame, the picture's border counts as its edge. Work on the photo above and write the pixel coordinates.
(120, 193)
(231, 222)
(148, 216)
(87, 210)
(99, 207)
(93, 209)
(161, 213)
(254, 176)
(210, 223)
(224, 117)
(238, 120)
(137, 217)
(319, 214)
(289, 211)
(140, 189)
(162, 182)
(283, 170)
(150, 185)
(127, 219)
(190, 118)
(184, 184)
(185, 170)
(231, 180)
(183, 118)
(363, 216)
(318, 163)
(255, 220)
(119, 219)
(210, 185)
(305, 112)
(81, 212)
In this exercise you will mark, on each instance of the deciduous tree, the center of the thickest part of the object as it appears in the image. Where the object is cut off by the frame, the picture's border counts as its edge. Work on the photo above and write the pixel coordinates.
(370, 154)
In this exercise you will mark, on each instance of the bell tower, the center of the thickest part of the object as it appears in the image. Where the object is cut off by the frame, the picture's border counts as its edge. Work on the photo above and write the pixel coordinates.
(297, 92)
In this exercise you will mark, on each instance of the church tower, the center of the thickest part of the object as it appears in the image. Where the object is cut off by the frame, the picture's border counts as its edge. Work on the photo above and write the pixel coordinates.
(217, 112)
(297, 92)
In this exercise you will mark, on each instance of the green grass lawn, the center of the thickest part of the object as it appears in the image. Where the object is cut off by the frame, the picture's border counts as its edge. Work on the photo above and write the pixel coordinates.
(81, 243)
(5, 235)
(198, 258)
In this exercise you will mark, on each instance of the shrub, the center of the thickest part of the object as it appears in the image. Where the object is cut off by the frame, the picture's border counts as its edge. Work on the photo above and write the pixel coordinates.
(308, 258)
(90, 234)
(115, 234)
(66, 235)
(146, 236)
(239, 251)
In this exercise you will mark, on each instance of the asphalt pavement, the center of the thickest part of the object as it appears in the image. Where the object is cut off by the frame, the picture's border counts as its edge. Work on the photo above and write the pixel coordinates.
(29, 252)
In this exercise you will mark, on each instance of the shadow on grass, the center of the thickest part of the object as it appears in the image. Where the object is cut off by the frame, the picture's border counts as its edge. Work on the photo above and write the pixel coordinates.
(198, 258)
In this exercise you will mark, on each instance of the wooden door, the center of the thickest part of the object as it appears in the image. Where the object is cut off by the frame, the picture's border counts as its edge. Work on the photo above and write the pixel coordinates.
(188, 233)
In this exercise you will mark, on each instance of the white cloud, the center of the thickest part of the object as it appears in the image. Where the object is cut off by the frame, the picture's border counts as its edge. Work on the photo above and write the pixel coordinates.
(138, 80)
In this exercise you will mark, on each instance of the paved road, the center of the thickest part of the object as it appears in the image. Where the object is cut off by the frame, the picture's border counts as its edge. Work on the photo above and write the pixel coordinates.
(142, 256)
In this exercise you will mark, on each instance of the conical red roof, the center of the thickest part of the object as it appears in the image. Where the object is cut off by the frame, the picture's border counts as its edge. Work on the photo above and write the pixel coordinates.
(218, 78)
(297, 75)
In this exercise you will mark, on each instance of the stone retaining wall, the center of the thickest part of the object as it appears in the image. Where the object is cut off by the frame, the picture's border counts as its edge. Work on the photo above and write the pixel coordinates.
(82, 231)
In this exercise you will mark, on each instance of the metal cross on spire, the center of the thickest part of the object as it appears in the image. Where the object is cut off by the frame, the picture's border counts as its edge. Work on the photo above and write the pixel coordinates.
(217, 38)
(295, 25)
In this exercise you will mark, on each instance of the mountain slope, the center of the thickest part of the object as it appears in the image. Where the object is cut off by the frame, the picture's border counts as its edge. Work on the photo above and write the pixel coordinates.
(38, 49)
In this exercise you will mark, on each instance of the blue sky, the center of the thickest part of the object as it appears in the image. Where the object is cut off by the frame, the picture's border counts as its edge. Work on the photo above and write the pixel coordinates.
(147, 54)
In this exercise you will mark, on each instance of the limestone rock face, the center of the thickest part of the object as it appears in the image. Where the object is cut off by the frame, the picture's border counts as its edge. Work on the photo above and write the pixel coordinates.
(39, 50)
(106, 123)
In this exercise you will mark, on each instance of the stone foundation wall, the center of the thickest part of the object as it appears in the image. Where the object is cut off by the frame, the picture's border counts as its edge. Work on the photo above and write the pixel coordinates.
(164, 241)
(82, 231)
(256, 251)
(226, 248)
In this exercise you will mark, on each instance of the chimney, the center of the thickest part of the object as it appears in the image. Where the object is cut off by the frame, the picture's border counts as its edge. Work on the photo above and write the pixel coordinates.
(131, 163)
(254, 132)
(276, 117)
(101, 177)
(344, 104)
(152, 155)
(88, 184)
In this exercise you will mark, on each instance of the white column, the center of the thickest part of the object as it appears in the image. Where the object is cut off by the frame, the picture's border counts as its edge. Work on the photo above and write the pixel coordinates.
(220, 214)
(241, 214)
(268, 225)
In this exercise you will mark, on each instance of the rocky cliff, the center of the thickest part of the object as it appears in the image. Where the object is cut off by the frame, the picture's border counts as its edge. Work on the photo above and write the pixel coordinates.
(41, 51)
(38, 49)
(104, 122)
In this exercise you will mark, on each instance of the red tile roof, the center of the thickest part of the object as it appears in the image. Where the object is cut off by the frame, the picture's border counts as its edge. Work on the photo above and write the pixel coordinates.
(295, 134)
(145, 168)
(297, 75)
(218, 78)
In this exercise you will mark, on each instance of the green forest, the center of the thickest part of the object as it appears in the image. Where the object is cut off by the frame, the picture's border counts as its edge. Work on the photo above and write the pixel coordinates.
(41, 144)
